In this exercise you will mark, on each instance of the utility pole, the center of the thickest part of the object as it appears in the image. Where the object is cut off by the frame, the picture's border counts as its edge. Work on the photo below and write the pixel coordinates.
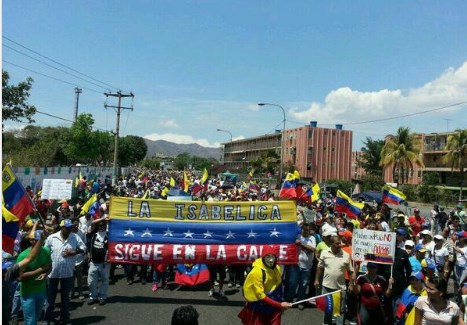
(77, 92)
(118, 109)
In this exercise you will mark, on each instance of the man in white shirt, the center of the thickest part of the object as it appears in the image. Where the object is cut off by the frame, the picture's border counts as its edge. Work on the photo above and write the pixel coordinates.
(65, 247)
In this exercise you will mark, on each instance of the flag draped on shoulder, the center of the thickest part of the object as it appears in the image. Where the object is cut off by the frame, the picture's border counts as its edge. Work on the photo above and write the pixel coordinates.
(186, 182)
(289, 187)
(345, 204)
(392, 195)
(16, 199)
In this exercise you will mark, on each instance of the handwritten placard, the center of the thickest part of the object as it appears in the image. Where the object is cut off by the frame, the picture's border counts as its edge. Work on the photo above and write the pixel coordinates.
(56, 189)
(373, 246)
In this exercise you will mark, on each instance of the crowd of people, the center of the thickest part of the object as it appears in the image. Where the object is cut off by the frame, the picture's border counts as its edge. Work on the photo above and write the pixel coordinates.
(64, 245)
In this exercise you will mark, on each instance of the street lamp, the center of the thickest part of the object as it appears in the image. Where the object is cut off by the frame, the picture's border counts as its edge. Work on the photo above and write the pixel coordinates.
(283, 132)
(227, 132)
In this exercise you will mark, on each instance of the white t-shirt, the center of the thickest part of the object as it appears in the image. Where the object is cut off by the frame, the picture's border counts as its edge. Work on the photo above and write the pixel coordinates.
(432, 317)
(439, 256)
(305, 258)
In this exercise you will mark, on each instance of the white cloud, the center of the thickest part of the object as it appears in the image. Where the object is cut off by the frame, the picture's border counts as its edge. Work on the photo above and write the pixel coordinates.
(346, 105)
(13, 128)
(180, 139)
(169, 124)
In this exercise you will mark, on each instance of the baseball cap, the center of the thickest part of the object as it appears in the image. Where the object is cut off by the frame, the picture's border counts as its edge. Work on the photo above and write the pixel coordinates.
(460, 206)
(346, 234)
(439, 237)
(67, 223)
(401, 231)
(425, 232)
(416, 210)
(461, 233)
(418, 275)
(420, 248)
(64, 205)
(409, 243)
(329, 233)
(7, 260)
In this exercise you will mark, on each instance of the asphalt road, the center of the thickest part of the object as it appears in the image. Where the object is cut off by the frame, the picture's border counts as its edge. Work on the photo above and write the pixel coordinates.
(137, 304)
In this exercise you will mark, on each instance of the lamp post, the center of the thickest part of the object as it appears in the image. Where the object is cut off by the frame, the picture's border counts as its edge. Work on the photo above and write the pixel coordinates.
(282, 135)
(227, 132)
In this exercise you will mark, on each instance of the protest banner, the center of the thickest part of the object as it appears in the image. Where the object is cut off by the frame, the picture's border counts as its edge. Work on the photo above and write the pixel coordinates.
(373, 246)
(148, 231)
(56, 189)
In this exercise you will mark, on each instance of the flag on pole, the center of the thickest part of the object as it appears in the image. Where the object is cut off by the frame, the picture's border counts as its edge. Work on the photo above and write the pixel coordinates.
(88, 204)
(172, 182)
(289, 187)
(348, 206)
(205, 176)
(330, 303)
(16, 199)
(392, 195)
(186, 182)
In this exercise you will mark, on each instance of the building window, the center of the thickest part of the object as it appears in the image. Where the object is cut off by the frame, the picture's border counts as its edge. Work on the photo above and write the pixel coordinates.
(310, 150)
(324, 148)
(419, 174)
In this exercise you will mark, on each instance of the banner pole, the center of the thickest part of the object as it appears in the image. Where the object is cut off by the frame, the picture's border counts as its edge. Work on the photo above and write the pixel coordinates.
(314, 298)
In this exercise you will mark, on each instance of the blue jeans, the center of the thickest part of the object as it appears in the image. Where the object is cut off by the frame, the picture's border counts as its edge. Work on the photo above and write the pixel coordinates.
(298, 281)
(32, 307)
(65, 288)
(16, 299)
(98, 272)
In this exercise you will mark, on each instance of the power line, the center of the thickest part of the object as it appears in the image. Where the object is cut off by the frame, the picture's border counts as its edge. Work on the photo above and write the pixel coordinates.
(54, 116)
(56, 62)
(54, 78)
(51, 66)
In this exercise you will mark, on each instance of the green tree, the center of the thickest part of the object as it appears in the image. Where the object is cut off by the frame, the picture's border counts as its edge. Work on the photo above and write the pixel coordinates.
(267, 163)
(131, 149)
(15, 105)
(371, 156)
(401, 152)
(81, 146)
(457, 154)
(372, 182)
(182, 161)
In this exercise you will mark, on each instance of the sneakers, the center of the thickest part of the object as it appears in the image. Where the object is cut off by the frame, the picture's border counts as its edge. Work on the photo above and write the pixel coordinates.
(92, 301)
(221, 294)
(81, 297)
(211, 292)
(102, 302)
(237, 285)
(154, 287)
(230, 285)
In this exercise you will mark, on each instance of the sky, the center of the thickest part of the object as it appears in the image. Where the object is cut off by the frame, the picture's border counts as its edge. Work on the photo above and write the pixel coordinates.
(198, 66)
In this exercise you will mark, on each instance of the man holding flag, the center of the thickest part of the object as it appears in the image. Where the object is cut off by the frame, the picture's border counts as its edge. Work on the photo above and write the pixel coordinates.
(333, 262)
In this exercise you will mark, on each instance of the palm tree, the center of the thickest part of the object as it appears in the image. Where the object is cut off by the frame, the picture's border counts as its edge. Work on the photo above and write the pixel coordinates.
(457, 155)
(401, 152)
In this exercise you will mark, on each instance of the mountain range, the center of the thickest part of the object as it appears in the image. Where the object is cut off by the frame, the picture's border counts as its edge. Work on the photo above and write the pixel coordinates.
(171, 149)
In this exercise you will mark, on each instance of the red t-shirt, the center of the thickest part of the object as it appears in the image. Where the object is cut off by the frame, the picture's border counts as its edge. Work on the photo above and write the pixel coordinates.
(367, 295)
(416, 224)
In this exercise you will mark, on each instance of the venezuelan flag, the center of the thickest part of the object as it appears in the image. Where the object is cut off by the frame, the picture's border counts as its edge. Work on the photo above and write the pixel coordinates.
(17, 201)
(191, 274)
(330, 304)
(88, 204)
(392, 195)
(345, 204)
(289, 187)
(10, 229)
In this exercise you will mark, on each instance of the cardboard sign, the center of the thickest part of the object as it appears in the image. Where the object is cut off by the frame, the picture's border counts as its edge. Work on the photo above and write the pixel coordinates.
(373, 246)
(56, 189)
